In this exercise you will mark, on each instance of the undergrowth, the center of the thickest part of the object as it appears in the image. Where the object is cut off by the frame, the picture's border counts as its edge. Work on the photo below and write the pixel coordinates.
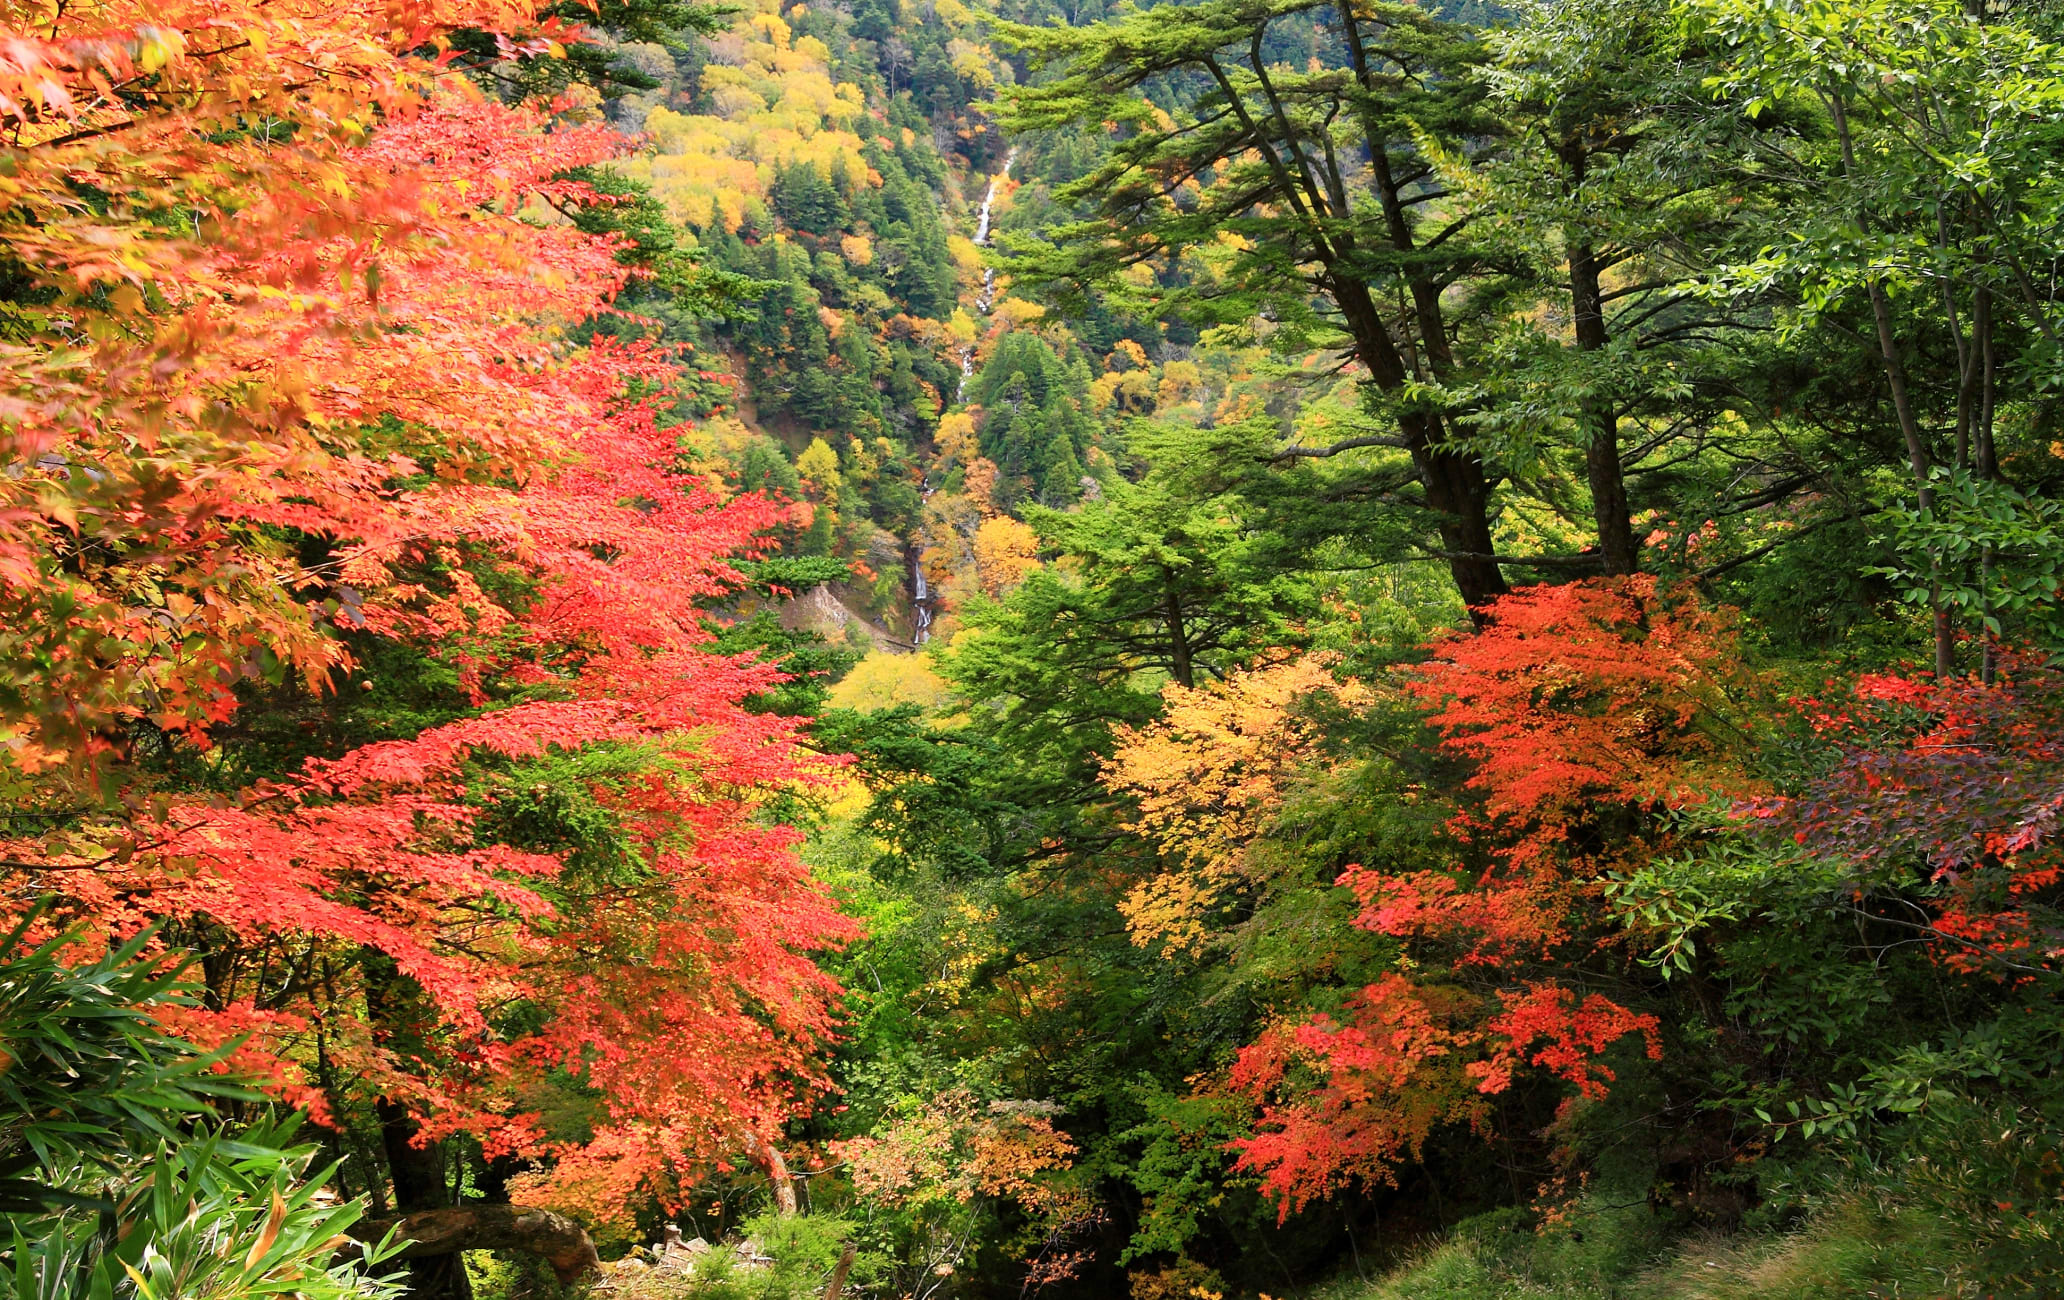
(1859, 1245)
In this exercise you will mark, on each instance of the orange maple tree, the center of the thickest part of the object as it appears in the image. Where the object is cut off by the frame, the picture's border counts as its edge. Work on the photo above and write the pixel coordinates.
(285, 371)
(1584, 710)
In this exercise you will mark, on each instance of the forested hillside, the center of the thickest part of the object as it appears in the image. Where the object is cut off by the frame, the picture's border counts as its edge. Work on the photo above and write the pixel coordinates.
(951, 649)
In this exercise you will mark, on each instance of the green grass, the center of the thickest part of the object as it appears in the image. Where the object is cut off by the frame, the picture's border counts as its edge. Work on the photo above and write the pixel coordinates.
(1854, 1248)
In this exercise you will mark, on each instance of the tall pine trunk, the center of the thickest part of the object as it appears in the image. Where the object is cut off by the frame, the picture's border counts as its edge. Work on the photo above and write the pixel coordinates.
(1609, 509)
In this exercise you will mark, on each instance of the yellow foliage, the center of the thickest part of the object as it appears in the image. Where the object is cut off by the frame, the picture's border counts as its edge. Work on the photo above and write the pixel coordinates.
(579, 103)
(1209, 778)
(973, 62)
(736, 100)
(961, 330)
(1179, 381)
(862, 464)
(1185, 1279)
(1016, 312)
(818, 468)
(857, 250)
(774, 107)
(955, 439)
(1005, 551)
(1103, 390)
(1134, 392)
(883, 680)
(1128, 355)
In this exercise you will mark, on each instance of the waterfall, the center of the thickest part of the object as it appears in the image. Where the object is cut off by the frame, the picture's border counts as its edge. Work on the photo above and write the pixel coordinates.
(987, 297)
(920, 589)
(921, 602)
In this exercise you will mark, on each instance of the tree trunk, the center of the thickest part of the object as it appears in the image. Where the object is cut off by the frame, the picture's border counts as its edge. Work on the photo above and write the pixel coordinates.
(1456, 488)
(769, 1160)
(395, 1005)
(838, 1275)
(438, 1236)
(1609, 508)
(1179, 663)
(417, 1172)
(1918, 460)
(1455, 485)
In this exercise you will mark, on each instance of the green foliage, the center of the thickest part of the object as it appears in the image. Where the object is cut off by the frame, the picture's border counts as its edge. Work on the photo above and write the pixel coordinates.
(1993, 553)
(117, 1178)
(797, 573)
(1181, 1169)
(799, 1254)
(675, 279)
(1855, 1247)
(1034, 426)
(1355, 313)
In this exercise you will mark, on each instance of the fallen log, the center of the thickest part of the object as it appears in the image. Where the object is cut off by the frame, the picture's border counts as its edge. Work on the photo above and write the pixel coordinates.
(563, 1243)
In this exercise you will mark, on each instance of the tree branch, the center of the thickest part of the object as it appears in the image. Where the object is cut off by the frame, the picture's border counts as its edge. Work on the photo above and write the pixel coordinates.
(1345, 444)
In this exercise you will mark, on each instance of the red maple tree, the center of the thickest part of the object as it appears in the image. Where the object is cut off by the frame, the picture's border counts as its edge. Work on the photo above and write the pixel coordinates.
(1583, 710)
(1943, 799)
(302, 381)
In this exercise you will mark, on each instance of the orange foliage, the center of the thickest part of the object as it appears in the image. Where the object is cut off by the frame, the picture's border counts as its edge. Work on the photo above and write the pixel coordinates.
(1581, 695)
(955, 1147)
(176, 391)
(1413, 1057)
(276, 395)
(1584, 709)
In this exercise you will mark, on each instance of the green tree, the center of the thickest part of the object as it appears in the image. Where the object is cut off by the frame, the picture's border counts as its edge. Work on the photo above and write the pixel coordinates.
(1256, 184)
(119, 1178)
(1611, 194)
(1916, 143)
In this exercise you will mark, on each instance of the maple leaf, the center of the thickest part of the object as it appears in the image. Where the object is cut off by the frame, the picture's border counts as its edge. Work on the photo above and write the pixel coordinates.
(321, 409)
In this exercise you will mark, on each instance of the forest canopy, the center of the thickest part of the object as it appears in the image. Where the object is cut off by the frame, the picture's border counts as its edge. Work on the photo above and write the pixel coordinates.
(940, 649)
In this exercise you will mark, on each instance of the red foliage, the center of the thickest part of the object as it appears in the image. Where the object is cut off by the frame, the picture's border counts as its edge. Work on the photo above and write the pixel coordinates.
(1385, 1081)
(1948, 792)
(351, 347)
(1414, 1056)
(1579, 696)
(1584, 710)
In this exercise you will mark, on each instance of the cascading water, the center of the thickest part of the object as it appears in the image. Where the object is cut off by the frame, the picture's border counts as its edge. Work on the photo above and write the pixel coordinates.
(920, 589)
(921, 600)
(987, 297)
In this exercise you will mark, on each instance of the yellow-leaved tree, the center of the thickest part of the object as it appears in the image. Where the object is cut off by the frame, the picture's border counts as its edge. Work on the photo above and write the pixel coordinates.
(1209, 778)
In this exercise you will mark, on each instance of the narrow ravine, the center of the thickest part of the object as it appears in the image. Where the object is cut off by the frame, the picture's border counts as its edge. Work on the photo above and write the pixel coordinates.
(985, 299)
